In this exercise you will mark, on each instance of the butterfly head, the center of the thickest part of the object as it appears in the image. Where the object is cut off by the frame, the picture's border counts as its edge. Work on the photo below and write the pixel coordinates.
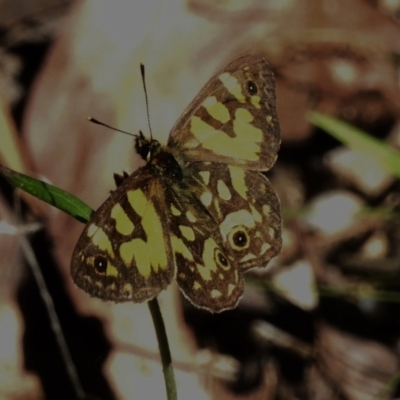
(158, 157)
(146, 148)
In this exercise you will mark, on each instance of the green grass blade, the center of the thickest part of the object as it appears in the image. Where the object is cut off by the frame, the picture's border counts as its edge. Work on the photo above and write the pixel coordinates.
(356, 139)
(58, 198)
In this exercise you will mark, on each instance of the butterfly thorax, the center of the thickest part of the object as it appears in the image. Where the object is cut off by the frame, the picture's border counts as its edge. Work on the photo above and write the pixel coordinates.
(158, 157)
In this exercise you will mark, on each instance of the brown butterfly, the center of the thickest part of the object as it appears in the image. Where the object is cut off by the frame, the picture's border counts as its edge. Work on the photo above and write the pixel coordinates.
(200, 210)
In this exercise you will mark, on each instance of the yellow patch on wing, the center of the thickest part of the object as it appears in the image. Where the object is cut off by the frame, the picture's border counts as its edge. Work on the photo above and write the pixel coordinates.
(139, 252)
(256, 215)
(231, 288)
(100, 239)
(217, 208)
(205, 175)
(196, 285)
(123, 224)
(206, 198)
(187, 232)
(179, 247)
(248, 257)
(250, 136)
(266, 209)
(175, 211)
(238, 180)
(264, 248)
(215, 293)
(246, 144)
(111, 270)
(210, 266)
(232, 85)
(271, 232)
(144, 257)
(128, 288)
(190, 217)
(223, 190)
(255, 100)
(216, 109)
(138, 201)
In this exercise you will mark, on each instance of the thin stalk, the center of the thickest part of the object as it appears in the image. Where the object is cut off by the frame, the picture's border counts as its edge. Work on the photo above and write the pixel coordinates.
(168, 370)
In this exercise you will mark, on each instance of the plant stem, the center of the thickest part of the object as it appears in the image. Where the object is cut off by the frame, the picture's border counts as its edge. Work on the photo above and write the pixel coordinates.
(165, 353)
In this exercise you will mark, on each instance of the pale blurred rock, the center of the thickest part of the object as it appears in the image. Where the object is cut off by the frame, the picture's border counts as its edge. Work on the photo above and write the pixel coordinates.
(364, 172)
(296, 283)
(334, 212)
(376, 247)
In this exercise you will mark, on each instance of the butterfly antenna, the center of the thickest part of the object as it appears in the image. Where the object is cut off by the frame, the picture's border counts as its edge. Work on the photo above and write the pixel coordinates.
(96, 121)
(145, 95)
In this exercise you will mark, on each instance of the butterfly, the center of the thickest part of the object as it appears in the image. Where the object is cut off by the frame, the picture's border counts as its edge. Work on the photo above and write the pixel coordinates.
(200, 210)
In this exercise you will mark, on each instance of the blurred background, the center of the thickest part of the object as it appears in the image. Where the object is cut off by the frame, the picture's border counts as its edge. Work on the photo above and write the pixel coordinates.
(322, 320)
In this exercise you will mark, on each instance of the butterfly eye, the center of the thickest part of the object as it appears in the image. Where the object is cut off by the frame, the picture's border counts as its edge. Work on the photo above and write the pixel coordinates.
(221, 259)
(239, 238)
(100, 264)
(252, 87)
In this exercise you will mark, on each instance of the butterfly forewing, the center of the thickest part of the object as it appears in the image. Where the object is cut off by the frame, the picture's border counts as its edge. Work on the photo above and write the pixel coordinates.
(123, 253)
(233, 119)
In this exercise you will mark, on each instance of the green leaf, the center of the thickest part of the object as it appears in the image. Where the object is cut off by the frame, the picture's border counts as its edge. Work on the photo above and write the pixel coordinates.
(356, 139)
(58, 198)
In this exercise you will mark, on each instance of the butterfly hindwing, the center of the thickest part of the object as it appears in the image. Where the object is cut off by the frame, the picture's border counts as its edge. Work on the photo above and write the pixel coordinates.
(233, 119)
(245, 208)
(207, 273)
(115, 258)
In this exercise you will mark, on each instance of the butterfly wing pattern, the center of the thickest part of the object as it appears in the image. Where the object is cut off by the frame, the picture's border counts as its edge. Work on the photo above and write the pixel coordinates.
(233, 119)
(122, 254)
(207, 272)
(246, 209)
(200, 210)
